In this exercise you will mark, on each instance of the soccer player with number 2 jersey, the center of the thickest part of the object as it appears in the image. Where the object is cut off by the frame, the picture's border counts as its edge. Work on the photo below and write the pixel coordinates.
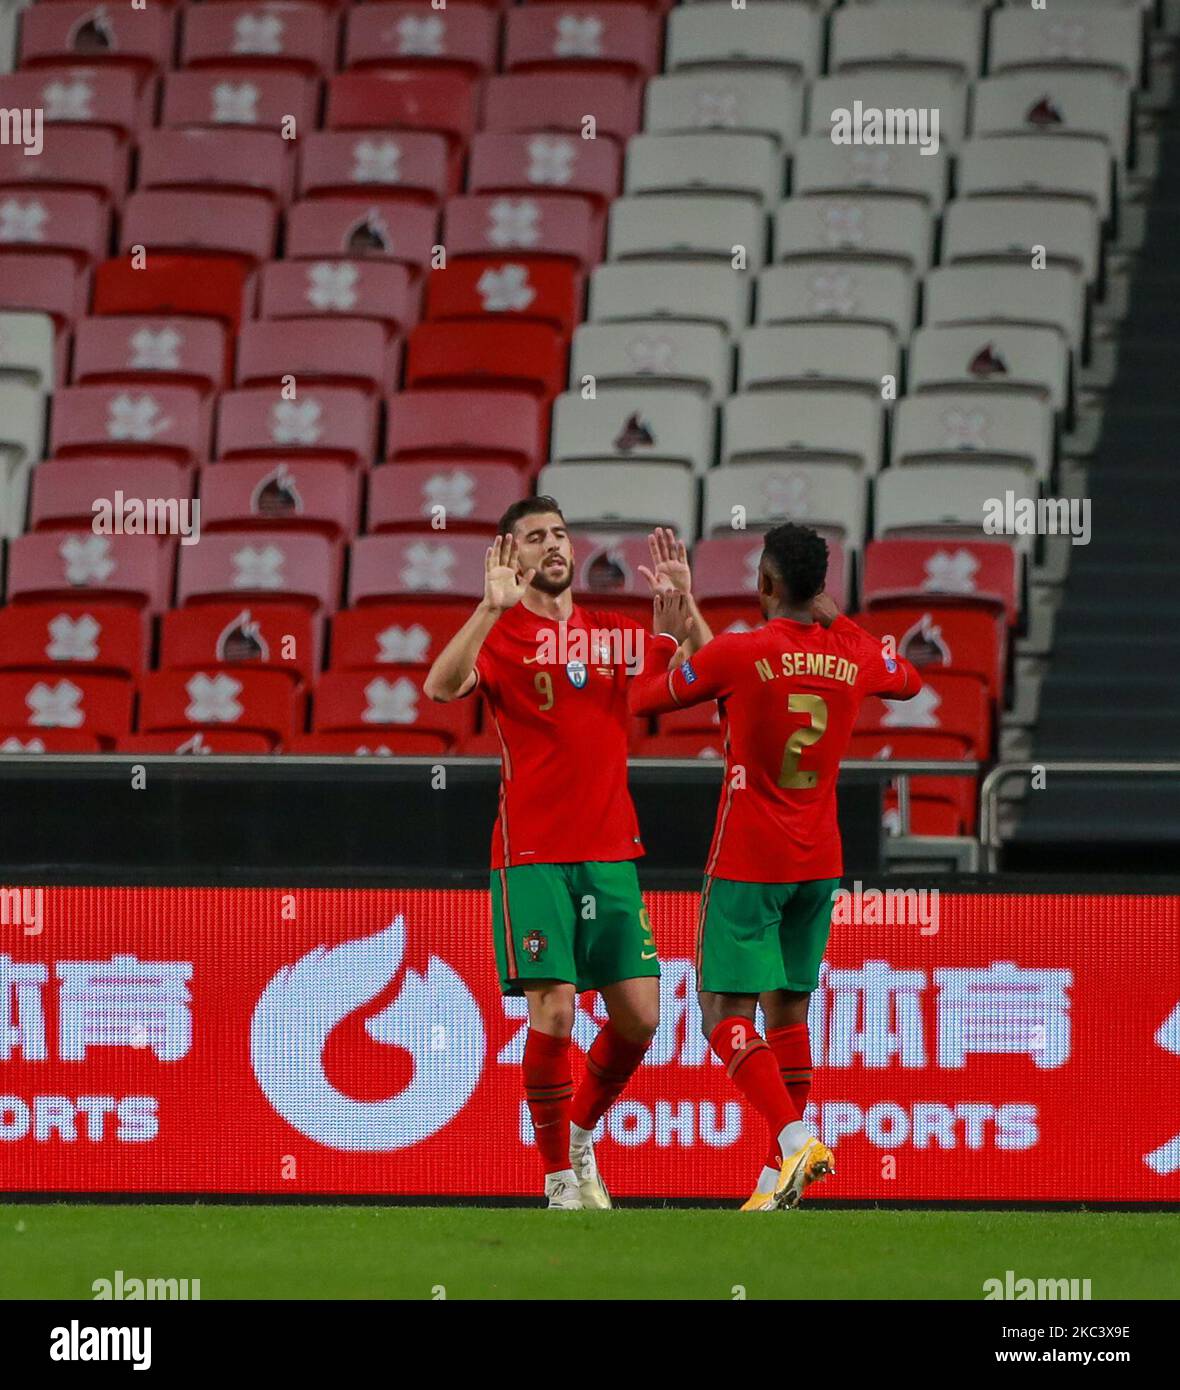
(788, 693)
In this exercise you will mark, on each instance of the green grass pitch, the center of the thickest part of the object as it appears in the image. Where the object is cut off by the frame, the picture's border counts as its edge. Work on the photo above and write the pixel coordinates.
(57, 1251)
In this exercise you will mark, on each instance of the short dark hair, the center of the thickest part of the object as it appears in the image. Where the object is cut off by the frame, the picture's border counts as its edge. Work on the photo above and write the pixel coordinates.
(527, 506)
(800, 558)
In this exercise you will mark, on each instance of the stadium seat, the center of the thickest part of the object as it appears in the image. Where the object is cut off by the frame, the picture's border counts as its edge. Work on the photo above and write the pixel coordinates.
(509, 356)
(377, 701)
(407, 633)
(599, 495)
(91, 159)
(826, 496)
(375, 743)
(391, 566)
(215, 740)
(748, 165)
(661, 352)
(547, 224)
(819, 166)
(985, 572)
(76, 223)
(225, 161)
(55, 285)
(29, 351)
(79, 31)
(435, 496)
(528, 289)
(378, 290)
(501, 426)
(606, 571)
(706, 291)
(96, 705)
(252, 701)
(887, 89)
(956, 706)
(839, 426)
(870, 228)
(789, 36)
(1056, 101)
(699, 744)
(323, 421)
(106, 97)
(661, 424)
(999, 228)
(947, 497)
(810, 291)
(1032, 165)
(761, 102)
(1098, 36)
(990, 355)
(103, 638)
(297, 496)
(534, 101)
(269, 636)
(155, 418)
(282, 35)
(289, 567)
(694, 719)
(1003, 427)
(377, 227)
(134, 348)
(401, 36)
(68, 741)
(202, 286)
(233, 96)
(231, 224)
(927, 794)
(918, 34)
(964, 641)
(615, 37)
(978, 294)
(22, 423)
(837, 354)
(400, 163)
(721, 227)
(344, 351)
(524, 162)
(57, 565)
(64, 491)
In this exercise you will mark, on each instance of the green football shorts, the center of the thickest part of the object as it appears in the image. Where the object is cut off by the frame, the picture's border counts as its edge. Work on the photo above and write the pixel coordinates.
(582, 923)
(759, 936)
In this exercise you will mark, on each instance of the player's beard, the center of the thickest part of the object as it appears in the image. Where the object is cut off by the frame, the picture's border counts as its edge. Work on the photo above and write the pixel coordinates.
(553, 587)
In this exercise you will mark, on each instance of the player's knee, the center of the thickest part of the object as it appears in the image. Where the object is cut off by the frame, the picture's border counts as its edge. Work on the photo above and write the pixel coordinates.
(553, 1014)
(638, 1025)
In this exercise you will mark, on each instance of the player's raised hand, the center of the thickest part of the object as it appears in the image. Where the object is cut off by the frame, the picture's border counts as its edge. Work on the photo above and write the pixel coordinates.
(669, 558)
(824, 610)
(503, 584)
(672, 614)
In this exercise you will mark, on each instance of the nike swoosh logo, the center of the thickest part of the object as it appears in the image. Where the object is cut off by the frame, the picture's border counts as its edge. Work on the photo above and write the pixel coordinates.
(647, 955)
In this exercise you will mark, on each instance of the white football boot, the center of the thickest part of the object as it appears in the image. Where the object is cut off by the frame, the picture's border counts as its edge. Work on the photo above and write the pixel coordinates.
(562, 1191)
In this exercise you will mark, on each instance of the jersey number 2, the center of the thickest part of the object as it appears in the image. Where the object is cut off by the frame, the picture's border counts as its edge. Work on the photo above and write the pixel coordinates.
(817, 711)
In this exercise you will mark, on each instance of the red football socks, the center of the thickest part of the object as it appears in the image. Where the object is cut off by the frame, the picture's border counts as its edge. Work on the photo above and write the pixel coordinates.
(610, 1064)
(548, 1088)
(792, 1051)
(753, 1070)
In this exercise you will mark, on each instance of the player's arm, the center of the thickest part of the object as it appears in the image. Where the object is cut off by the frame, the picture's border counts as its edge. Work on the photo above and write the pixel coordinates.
(665, 684)
(671, 572)
(453, 674)
(890, 676)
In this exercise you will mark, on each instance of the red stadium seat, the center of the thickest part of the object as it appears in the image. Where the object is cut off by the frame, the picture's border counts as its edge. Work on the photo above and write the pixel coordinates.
(75, 95)
(89, 159)
(726, 567)
(291, 494)
(57, 565)
(391, 100)
(927, 816)
(401, 163)
(263, 702)
(377, 744)
(683, 745)
(268, 636)
(64, 490)
(54, 219)
(288, 567)
(962, 641)
(154, 418)
(96, 705)
(607, 569)
(279, 34)
(958, 792)
(408, 633)
(102, 638)
(390, 566)
(472, 496)
(536, 101)
(953, 705)
(726, 615)
(377, 227)
(330, 422)
(614, 37)
(380, 701)
(462, 37)
(55, 284)
(81, 31)
(227, 161)
(134, 349)
(951, 570)
(378, 290)
(67, 741)
(482, 224)
(501, 426)
(514, 162)
(695, 719)
(517, 356)
(214, 740)
(348, 352)
(233, 224)
(240, 97)
(528, 289)
(203, 286)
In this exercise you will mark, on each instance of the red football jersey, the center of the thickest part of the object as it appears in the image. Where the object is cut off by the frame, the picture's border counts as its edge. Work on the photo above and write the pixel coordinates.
(557, 693)
(788, 694)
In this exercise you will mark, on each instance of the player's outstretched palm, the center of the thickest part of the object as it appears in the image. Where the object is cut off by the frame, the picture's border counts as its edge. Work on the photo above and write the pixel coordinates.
(503, 584)
(670, 571)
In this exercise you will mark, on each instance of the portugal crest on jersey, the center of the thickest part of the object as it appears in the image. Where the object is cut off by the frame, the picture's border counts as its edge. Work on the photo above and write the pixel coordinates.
(576, 671)
(534, 943)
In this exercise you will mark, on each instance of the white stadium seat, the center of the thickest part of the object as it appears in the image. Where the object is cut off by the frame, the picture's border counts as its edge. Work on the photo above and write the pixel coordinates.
(1055, 297)
(812, 424)
(830, 497)
(922, 33)
(22, 424)
(1001, 427)
(653, 352)
(818, 166)
(867, 227)
(989, 356)
(1037, 164)
(687, 225)
(989, 228)
(837, 354)
(1055, 101)
(704, 291)
(668, 424)
(1089, 36)
(765, 103)
(946, 497)
(947, 92)
(747, 165)
(27, 348)
(592, 494)
(852, 290)
(788, 36)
